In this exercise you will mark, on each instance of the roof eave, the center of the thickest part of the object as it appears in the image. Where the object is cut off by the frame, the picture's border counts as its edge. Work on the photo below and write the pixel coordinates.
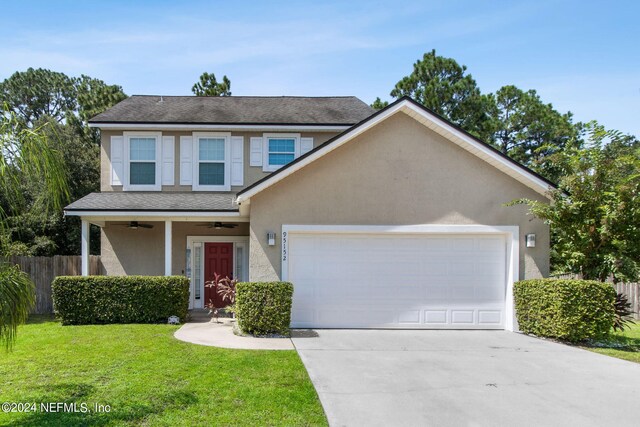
(322, 127)
(150, 213)
(530, 178)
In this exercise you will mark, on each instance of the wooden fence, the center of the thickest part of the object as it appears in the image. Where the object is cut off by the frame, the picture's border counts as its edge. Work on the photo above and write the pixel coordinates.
(44, 269)
(631, 290)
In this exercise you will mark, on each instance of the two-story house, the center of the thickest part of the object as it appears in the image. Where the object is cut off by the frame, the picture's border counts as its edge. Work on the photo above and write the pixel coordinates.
(393, 218)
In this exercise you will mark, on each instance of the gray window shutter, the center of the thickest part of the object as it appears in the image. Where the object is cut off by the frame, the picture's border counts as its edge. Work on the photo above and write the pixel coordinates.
(256, 151)
(306, 145)
(237, 160)
(186, 160)
(117, 160)
(168, 162)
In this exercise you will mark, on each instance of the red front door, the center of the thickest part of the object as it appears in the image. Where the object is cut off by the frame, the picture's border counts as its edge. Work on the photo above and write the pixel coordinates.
(218, 258)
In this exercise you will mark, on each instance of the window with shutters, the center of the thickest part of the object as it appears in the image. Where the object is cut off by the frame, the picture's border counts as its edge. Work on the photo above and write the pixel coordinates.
(212, 161)
(279, 150)
(142, 153)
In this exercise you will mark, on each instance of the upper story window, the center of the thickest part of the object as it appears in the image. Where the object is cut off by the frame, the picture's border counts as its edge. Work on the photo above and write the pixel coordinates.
(279, 150)
(212, 161)
(142, 170)
(142, 161)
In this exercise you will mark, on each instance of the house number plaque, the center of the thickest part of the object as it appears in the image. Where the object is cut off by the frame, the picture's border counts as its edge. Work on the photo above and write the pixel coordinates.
(284, 246)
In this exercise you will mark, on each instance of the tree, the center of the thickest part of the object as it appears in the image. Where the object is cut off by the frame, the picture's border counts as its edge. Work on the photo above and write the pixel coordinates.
(41, 233)
(379, 104)
(528, 130)
(209, 86)
(595, 215)
(36, 93)
(93, 97)
(24, 155)
(31, 231)
(443, 86)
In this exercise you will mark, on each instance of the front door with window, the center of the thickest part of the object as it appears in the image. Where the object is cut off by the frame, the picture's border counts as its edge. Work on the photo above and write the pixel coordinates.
(218, 259)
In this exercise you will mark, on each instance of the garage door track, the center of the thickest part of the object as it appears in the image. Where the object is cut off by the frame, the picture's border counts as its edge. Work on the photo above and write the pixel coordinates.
(465, 378)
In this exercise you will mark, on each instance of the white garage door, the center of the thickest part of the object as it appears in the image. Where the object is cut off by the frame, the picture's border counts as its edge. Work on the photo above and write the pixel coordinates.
(397, 281)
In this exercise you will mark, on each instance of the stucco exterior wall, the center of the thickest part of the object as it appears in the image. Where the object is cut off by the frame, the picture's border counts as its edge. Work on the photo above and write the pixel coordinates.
(251, 173)
(397, 173)
(141, 251)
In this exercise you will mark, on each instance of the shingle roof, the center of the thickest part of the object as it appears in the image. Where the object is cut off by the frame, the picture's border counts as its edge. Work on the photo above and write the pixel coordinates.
(256, 110)
(156, 201)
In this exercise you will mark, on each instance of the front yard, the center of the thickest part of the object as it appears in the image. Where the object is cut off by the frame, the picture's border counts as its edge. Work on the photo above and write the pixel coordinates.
(149, 378)
(623, 345)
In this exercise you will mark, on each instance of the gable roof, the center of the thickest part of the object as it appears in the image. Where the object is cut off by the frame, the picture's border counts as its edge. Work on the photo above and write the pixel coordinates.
(431, 120)
(238, 110)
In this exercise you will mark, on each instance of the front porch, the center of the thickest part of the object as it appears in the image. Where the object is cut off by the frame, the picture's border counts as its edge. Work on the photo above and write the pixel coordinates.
(153, 234)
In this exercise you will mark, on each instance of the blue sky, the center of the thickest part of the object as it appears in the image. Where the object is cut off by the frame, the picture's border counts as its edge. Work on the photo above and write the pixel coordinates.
(581, 56)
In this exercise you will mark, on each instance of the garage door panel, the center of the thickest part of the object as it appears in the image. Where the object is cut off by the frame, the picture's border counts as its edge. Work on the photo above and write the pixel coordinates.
(489, 317)
(408, 281)
(464, 317)
(435, 317)
(409, 316)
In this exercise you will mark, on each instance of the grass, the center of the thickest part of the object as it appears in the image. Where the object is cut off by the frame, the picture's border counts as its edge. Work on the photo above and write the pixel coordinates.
(149, 378)
(623, 345)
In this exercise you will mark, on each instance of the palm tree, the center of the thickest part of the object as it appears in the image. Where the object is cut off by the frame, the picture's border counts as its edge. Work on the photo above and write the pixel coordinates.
(17, 296)
(25, 156)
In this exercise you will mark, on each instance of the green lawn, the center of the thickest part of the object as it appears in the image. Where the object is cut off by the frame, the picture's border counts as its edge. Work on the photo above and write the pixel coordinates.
(149, 378)
(623, 345)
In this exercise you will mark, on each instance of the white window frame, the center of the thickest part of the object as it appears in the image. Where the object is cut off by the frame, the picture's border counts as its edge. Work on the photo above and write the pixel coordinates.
(196, 161)
(266, 167)
(127, 186)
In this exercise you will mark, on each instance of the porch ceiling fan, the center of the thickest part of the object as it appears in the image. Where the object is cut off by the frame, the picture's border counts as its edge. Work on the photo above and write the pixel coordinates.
(134, 225)
(218, 225)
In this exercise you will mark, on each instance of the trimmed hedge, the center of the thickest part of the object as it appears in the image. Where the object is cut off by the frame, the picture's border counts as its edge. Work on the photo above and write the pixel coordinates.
(81, 300)
(569, 310)
(264, 308)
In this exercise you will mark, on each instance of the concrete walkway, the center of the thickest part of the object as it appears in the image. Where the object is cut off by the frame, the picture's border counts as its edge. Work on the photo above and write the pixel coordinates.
(206, 332)
(465, 378)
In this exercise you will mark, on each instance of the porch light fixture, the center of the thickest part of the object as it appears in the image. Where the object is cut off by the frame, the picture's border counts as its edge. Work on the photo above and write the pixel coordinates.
(271, 238)
(531, 240)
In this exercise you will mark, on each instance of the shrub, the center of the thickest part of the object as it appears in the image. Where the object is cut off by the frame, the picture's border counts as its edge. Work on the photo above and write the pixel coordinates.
(624, 311)
(264, 308)
(570, 310)
(80, 300)
(223, 286)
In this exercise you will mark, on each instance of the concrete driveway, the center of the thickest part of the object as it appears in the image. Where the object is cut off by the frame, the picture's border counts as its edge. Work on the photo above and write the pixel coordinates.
(465, 378)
